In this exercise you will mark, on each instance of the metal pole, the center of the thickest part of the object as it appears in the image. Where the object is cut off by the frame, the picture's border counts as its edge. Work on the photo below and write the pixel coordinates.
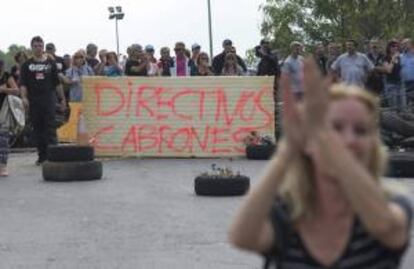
(210, 30)
(117, 36)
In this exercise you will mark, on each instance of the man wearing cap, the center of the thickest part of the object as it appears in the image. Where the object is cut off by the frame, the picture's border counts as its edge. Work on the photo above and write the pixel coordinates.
(352, 67)
(269, 63)
(218, 60)
(60, 63)
(39, 85)
(149, 49)
(195, 51)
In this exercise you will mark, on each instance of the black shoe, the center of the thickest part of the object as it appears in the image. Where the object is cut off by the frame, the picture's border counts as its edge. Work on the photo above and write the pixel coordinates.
(39, 162)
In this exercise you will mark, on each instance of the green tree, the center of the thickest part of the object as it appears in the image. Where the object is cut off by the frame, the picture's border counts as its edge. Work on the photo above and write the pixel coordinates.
(8, 56)
(313, 21)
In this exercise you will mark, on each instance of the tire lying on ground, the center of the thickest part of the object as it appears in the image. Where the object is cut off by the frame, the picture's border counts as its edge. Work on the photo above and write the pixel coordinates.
(260, 152)
(70, 153)
(221, 186)
(72, 171)
(401, 164)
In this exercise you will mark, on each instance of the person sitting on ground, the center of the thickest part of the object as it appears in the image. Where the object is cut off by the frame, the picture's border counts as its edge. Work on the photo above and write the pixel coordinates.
(320, 202)
(202, 66)
(112, 69)
(7, 86)
(231, 67)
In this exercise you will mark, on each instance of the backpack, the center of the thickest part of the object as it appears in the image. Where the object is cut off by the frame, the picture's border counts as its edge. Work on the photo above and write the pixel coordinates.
(12, 115)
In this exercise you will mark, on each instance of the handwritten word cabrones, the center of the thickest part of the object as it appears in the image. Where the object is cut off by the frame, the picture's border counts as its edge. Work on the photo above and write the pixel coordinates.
(159, 117)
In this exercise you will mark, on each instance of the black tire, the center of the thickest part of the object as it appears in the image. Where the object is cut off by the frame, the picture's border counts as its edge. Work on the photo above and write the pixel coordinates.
(72, 171)
(221, 186)
(260, 152)
(408, 143)
(70, 153)
(401, 164)
(393, 122)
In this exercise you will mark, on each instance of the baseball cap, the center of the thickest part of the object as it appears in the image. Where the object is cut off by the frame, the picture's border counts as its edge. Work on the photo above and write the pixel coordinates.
(149, 48)
(195, 46)
(227, 42)
(50, 46)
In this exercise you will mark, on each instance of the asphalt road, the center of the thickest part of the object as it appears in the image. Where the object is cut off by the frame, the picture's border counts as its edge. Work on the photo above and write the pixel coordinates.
(143, 214)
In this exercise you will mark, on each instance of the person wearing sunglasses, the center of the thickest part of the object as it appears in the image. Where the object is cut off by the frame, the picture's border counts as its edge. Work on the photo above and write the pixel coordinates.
(74, 75)
(202, 66)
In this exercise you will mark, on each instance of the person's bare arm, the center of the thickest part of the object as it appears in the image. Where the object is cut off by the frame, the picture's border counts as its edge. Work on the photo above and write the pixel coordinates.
(252, 229)
(10, 87)
(385, 221)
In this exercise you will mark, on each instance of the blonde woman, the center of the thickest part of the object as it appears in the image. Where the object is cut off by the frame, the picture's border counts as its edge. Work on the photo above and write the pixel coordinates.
(320, 203)
(231, 66)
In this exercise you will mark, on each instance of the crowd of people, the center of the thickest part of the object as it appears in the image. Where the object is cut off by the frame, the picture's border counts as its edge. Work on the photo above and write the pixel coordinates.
(388, 72)
(327, 170)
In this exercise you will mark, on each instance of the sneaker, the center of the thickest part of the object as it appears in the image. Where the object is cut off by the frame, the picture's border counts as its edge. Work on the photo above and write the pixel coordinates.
(3, 171)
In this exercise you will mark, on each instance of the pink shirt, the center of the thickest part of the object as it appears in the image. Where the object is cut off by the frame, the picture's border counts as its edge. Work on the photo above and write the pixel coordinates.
(181, 67)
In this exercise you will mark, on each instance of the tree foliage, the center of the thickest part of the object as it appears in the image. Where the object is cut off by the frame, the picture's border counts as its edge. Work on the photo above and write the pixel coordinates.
(313, 21)
(8, 56)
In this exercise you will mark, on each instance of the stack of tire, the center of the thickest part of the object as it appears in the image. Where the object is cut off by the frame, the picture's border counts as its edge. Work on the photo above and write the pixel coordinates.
(71, 163)
(214, 185)
(260, 152)
(401, 164)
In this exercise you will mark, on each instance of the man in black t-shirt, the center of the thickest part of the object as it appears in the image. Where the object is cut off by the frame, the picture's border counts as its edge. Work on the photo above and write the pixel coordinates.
(39, 84)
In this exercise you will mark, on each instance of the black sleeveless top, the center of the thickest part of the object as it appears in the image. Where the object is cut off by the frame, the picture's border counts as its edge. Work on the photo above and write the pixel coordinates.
(4, 78)
(362, 251)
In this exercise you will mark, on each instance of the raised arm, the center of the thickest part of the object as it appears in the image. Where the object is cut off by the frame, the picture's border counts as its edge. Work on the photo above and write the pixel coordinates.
(252, 228)
(384, 220)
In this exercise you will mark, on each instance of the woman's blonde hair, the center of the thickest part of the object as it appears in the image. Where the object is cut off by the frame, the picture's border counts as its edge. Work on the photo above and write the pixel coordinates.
(298, 187)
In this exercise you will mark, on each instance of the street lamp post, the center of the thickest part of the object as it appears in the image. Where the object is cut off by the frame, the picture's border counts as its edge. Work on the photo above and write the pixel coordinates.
(210, 30)
(117, 14)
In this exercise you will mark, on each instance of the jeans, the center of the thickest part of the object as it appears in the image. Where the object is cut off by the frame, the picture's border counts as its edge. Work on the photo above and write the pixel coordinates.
(409, 88)
(395, 96)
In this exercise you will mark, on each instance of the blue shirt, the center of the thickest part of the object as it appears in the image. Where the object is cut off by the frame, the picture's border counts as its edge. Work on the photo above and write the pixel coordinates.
(112, 71)
(407, 66)
(353, 69)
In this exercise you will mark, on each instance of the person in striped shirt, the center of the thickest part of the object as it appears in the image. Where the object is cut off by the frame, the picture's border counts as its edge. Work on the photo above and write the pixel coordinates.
(320, 203)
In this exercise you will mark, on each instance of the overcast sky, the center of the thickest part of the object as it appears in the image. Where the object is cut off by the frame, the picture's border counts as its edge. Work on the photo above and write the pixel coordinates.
(72, 24)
